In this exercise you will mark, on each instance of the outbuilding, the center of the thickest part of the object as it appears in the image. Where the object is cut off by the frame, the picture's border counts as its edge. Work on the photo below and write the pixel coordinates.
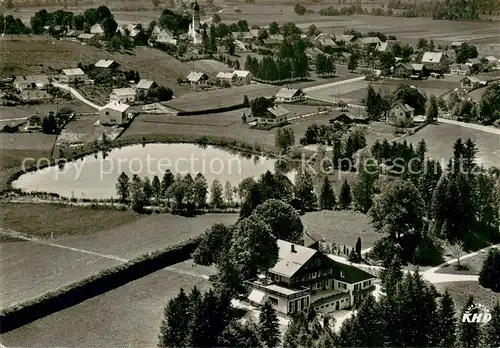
(289, 95)
(114, 113)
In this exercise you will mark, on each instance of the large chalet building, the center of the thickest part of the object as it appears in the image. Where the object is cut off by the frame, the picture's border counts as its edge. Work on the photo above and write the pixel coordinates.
(305, 277)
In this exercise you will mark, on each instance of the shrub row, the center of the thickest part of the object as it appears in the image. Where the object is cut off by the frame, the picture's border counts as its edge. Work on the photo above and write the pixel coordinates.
(211, 111)
(21, 314)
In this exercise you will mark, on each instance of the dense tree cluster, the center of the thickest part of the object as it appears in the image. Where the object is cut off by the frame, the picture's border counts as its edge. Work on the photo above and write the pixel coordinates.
(12, 26)
(489, 277)
(490, 105)
(325, 65)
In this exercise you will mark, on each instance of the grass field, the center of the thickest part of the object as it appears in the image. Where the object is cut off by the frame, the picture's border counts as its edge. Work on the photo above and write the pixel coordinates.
(473, 266)
(441, 137)
(460, 292)
(38, 219)
(133, 314)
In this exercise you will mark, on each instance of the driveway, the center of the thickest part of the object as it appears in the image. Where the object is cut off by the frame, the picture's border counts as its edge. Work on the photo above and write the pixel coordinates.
(77, 95)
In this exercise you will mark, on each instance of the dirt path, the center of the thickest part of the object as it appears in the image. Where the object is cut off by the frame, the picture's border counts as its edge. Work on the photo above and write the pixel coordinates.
(77, 95)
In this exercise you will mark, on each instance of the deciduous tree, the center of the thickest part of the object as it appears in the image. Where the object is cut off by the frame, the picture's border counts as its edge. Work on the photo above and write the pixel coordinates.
(216, 194)
(282, 218)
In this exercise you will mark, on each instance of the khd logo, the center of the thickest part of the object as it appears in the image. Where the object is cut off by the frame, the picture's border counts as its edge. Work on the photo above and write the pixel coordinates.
(476, 313)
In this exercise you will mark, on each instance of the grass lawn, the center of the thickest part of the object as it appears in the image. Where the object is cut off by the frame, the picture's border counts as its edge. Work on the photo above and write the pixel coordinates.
(133, 314)
(470, 266)
(341, 227)
(460, 292)
(39, 219)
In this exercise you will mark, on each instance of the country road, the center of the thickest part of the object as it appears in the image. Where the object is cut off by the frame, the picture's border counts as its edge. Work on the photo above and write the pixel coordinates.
(77, 95)
(479, 127)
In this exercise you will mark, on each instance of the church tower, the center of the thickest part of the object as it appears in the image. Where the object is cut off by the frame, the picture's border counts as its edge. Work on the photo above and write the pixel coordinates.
(196, 17)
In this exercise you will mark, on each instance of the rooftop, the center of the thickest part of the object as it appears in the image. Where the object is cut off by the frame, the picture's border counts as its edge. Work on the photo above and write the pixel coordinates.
(369, 40)
(123, 91)
(287, 92)
(432, 57)
(403, 106)
(242, 73)
(278, 111)
(73, 72)
(85, 36)
(104, 63)
(225, 75)
(291, 257)
(117, 106)
(196, 76)
(33, 79)
(345, 38)
(145, 84)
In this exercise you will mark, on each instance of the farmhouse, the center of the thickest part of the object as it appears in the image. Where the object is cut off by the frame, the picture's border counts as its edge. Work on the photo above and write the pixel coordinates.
(346, 39)
(305, 277)
(492, 61)
(400, 114)
(73, 75)
(474, 63)
(198, 79)
(123, 95)
(131, 29)
(313, 52)
(228, 77)
(146, 85)
(275, 115)
(163, 36)
(31, 82)
(289, 95)
(435, 61)
(460, 69)
(274, 40)
(470, 82)
(97, 29)
(326, 43)
(85, 37)
(107, 64)
(365, 42)
(34, 95)
(456, 44)
(386, 46)
(244, 77)
(347, 117)
(242, 35)
(114, 113)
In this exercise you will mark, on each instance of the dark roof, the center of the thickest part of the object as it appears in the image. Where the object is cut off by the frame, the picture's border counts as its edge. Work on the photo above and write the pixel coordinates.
(352, 274)
(342, 114)
(196, 7)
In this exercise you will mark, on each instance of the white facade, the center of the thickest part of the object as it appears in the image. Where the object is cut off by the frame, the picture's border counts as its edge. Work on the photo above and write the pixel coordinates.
(115, 113)
(123, 95)
(73, 75)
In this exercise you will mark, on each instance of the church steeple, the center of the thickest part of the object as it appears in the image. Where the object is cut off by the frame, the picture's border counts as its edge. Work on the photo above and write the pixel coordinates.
(196, 17)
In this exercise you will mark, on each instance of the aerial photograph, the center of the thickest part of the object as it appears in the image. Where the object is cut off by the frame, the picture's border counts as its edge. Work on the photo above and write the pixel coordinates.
(249, 173)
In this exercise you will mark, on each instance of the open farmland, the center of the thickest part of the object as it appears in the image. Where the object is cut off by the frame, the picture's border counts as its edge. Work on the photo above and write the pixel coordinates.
(441, 137)
(133, 314)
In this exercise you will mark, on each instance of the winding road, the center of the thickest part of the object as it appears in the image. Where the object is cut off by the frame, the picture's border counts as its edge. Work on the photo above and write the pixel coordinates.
(76, 94)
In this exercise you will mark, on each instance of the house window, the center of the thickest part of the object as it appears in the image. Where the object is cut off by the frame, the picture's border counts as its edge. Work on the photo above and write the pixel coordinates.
(342, 274)
(307, 302)
(325, 284)
(290, 307)
(107, 113)
(314, 275)
(356, 287)
(274, 301)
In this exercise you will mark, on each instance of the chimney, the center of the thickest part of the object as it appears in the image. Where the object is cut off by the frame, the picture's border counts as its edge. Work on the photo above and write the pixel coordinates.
(292, 248)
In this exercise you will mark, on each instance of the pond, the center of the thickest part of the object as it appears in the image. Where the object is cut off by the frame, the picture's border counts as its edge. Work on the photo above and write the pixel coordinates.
(95, 176)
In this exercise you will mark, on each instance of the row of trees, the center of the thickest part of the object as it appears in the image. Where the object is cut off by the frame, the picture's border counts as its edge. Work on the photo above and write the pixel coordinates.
(185, 193)
(281, 68)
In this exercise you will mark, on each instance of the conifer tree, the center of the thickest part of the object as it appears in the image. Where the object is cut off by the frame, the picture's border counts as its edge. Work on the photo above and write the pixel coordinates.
(345, 198)
(492, 329)
(269, 326)
(447, 323)
(364, 190)
(304, 189)
(327, 197)
(147, 189)
(358, 247)
(156, 187)
(469, 334)
(174, 329)
(217, 194)
(168, 179)
(122, 187)
(200, 190)
(489, 276)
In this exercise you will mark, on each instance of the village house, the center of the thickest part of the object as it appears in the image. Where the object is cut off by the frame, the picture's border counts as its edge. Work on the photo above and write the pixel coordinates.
(386, 46)
(274, 40)
(409, 70)
(327, 43)
(244, 77)
(198, 79)
(245, 36)
(400, 115)
(347, 117)
(35, 95)
(460, 69)
(123, 95)
(273, 116)
(227, 77)
(289, 95)
(475, 64)
(97, 29)
(254, 33)
(436, 62)
(72, 75)
(492, 61)
(345, 39)
(312, 53)
(456, 44)
(114, 113)
(85, 37)
(145, 85)
(305, 277)
(164, 36)
(471, 82)
(106, 64)
(365, 42)
(31, 82)
(131, 29)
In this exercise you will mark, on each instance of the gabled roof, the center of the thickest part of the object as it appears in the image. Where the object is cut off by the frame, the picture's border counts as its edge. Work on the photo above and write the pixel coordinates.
(196, 76)
(96, 29)
(117, 106)
(369, 40)
(474, 61)
(350, 273)
(407, 66)
(345, 38)
(491, 59)
(278, 37)
(456, 43)
(417, 66)
(242, 35)
(73, 72)
(40, 79)
(242, 73)
(432, 57)
(383, 46)
(103, 63)
(350, 115)
(145, 84)
(226, 75)
(133, 29)
(278, 111)
(123, 91)
(403, 106)
(472, 79)
(287, 92)
(254, 32)
(289, 262)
